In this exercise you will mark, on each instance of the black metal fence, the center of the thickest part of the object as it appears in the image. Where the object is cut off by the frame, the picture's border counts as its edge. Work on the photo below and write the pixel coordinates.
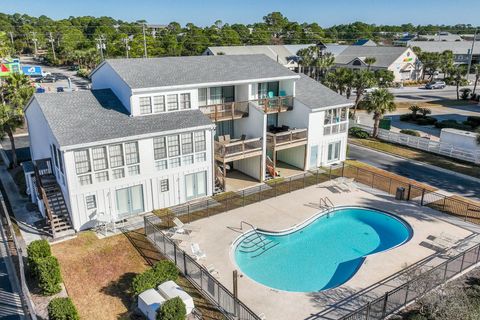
(394, 300)
(199, 276)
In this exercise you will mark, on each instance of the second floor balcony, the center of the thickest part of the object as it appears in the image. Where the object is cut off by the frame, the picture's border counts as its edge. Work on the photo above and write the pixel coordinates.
(227, 150)
(284, 138)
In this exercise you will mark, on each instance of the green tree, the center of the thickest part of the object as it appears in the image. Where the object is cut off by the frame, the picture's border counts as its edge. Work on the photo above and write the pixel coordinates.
(172, 309)
(415, 110)
(384, 78)
(369, 61)
(379, 102)
(15, 92)
(459, 73)
(363, 79)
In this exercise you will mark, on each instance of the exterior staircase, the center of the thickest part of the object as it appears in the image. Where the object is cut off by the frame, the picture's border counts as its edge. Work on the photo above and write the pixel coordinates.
(56, 210)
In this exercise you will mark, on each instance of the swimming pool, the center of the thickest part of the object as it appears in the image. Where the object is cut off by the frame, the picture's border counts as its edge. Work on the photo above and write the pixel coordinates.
(322, 253)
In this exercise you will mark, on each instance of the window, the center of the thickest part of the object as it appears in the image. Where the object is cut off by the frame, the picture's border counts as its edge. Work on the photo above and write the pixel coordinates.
(118, 173)
(172, 102)
(186, 160)
(116, 155)
(262, 90)
(82, 161)
(200, 144)
(159, 148)
(60, 161)
(343, 114)
(91, 202)
(201, 157)
(161, 165)
(216, 95)
(99, 156)
(184, 101)
(173, 146)
(131, 153)
(174, 163)
(133, 170)
(196, 185)
(202, 97)
(334, 151)
(145, 105)
(164, 185)
(158, 104)
(85, 180)
(101, 176)
(187, 143)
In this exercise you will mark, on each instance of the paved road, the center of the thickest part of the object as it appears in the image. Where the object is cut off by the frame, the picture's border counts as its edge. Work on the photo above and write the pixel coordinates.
(420, 93)
(422, 173)
(10, 303)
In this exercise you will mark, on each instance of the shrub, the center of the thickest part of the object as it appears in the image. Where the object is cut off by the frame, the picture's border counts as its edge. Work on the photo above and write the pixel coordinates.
(465, 94)
(48, 275)
(474, 120)
(162, 271)
(173, 309)
(406, 117)
(358, 133)
(36, 250)
(452, 124)
(62, 309)
(84, 73)
(410, 132)
(425, 121)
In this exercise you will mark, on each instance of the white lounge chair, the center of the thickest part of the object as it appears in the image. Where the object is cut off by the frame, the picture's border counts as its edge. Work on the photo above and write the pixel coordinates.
(197, 252)
(212, 270)
(180, 227)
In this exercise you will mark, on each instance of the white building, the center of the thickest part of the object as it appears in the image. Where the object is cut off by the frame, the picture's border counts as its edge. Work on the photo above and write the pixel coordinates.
(154, 133)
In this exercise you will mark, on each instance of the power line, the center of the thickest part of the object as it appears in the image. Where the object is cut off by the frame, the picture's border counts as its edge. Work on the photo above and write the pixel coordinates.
(52, 41)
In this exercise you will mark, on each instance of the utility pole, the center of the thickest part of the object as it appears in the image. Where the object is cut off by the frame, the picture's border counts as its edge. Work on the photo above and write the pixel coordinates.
(101, 46)
(11, 40)
(127, 47)
(471, 53)
(34, 39)
(52, 41)
(144, 42)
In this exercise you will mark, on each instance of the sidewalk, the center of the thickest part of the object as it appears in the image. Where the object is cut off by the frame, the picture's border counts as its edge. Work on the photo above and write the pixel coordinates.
(25, 218)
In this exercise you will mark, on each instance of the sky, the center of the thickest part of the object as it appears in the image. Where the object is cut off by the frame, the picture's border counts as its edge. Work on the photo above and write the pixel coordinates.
(206, 12)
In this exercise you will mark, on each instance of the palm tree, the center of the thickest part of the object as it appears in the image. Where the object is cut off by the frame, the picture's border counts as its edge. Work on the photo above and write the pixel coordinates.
(323, 61)
(415, 109)
(362, 80)
(15, 92)
(379, 102)
(369, 61)
(306, 58)
(425, 111)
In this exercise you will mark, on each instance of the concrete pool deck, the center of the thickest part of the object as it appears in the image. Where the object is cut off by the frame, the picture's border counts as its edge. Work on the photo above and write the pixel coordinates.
(218, 232)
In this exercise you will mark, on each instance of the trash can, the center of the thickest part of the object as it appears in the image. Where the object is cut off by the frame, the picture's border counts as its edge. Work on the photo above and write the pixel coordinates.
(400, 194)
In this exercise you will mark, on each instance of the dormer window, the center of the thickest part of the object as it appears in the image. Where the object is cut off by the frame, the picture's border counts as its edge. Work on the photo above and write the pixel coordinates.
(185, 101)
(172, 102)
(145, 105)
(158, 104)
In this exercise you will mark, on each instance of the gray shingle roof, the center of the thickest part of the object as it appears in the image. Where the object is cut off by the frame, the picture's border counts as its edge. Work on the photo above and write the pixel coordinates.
(90, 116)
(177, 71)
(384, 56)
(315, 95)
(457, 47)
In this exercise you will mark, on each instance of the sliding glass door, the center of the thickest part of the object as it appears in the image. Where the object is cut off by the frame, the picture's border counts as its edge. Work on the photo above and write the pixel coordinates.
(195, 185)
(334, 151)
(129, 201)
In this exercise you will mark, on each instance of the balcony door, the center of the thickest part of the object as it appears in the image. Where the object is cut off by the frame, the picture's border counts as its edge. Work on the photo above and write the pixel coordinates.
(267, 89)
(218, 95)
(195, 185)
(129, 201)
(334, 151)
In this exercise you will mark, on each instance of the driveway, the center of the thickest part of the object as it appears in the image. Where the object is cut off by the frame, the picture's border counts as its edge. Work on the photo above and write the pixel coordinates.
(431, 175)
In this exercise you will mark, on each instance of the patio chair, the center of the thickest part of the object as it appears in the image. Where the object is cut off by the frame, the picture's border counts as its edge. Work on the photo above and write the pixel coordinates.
(221, 139)
(243, 137)
(197, 252)
(283, 93)
(270, 94)
(226, 138)
(212, 270)
(180, 227)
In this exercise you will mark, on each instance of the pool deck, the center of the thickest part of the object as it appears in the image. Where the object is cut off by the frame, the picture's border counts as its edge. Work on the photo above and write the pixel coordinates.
(217, 234)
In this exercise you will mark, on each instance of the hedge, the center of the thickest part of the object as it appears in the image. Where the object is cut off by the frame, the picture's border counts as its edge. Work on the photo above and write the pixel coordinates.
(410, 132)
(358, 133)
(48, 275)
(173, 309)
(162, 271)
(62, 309)
(452, 124)
(35, 250)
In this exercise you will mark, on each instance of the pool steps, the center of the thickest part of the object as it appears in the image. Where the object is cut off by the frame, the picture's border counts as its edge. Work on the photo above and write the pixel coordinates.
(256, 243)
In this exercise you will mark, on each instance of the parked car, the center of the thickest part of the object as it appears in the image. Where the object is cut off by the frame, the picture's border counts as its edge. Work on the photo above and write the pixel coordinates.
(48, 78)
(436, 85)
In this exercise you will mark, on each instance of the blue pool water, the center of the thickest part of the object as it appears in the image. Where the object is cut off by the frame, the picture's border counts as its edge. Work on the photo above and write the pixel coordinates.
(322, 255)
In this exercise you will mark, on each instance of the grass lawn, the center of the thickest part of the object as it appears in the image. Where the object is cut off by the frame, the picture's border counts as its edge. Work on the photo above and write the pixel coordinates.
(98, 274)
(434, 104)
(422, 156)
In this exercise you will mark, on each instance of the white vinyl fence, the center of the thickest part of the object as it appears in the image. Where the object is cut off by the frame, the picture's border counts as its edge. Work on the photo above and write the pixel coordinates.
(425, 144)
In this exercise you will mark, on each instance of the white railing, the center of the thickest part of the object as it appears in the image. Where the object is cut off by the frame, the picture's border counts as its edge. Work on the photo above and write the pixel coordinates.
(425, 144)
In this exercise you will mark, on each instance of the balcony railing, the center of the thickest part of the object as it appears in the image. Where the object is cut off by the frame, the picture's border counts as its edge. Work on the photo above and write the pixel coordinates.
(237, 149)
(239, 109)
(226, 111)
(287, 139)
(276, 104)
(335, 128)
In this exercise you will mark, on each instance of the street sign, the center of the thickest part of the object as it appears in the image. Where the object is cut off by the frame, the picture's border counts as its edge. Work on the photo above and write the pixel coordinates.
(32, 70)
